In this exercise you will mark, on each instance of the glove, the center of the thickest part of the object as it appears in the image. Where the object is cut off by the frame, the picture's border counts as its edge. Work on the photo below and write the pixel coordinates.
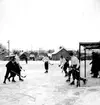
(59, 65)
(62, 67)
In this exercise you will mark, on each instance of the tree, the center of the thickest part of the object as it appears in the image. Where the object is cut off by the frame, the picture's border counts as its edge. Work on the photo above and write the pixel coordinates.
(50, 51)
(16, 52)
(3, 52)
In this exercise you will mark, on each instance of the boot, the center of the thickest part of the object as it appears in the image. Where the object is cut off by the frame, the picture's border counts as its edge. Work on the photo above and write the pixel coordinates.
(20, 79)
(13, 80)
(84, 81)
(65, 75)
(4, 81)
(72, 83)
(68, 80)
(46, 72)
(9, 79)
(78, 83)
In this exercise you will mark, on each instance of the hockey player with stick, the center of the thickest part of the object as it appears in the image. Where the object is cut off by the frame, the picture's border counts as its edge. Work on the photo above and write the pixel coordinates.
(10, 66)
(17, 70)
(75, 71)
(64, 64)
(46, 63)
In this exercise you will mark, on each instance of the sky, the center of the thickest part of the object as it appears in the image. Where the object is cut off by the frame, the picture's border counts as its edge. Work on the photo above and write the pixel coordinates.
(48, 24)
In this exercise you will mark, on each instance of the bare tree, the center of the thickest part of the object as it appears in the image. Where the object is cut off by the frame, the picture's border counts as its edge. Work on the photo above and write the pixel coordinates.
(3, 52)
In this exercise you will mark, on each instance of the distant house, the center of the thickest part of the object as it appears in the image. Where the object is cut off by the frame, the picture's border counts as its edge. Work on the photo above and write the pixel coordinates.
(32, 57)
(56, 55)
(24, 55)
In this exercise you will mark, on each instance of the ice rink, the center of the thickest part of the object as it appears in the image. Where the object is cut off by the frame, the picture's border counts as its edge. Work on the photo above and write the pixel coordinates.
(39, 88)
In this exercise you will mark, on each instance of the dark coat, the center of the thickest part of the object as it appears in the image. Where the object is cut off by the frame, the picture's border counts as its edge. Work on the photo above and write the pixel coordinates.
(13, 68)
(10, 67)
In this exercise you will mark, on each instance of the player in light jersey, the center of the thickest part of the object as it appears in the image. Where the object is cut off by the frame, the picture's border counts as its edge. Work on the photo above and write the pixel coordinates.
(46, 63)
(64, 64)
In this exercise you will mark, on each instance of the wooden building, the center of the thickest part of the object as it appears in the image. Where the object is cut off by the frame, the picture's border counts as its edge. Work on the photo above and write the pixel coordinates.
(56, 55)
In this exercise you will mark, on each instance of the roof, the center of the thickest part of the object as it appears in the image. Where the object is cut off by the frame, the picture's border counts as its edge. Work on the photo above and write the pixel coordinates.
(90, 45)
(58, 50)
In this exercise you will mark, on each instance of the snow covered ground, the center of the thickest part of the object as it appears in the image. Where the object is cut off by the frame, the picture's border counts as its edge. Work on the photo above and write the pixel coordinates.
(39, 88)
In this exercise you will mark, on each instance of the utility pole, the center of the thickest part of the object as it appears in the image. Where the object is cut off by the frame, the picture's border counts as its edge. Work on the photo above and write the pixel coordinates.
(8, 48)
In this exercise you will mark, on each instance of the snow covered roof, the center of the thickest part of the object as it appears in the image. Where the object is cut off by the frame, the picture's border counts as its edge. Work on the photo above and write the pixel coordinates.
(58, 50)
(21, 53)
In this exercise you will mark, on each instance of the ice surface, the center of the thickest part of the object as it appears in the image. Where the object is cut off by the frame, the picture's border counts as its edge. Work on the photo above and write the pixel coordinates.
(39, 88)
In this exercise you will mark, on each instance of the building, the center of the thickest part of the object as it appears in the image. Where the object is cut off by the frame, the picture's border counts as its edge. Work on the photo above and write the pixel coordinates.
(56, 55)
(32, 57)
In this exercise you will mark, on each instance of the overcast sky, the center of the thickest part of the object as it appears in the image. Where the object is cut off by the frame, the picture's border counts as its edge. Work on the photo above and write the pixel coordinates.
(48, 24)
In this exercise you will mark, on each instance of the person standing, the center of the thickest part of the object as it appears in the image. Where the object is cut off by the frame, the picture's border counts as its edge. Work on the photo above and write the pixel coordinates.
(17, 58)
(95, 64)
(18, 67)
(46, 63)
(64, 64)
(10, 66)
(75, 70)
